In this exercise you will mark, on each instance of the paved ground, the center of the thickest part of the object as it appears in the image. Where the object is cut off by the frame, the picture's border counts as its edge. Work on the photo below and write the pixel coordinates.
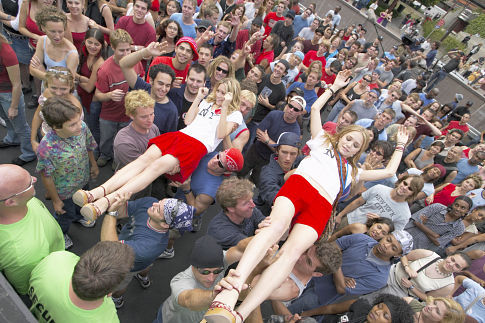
(140, 305)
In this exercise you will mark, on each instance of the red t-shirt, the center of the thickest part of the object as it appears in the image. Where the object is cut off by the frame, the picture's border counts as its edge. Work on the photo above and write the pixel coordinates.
(271, 19)
(444, 196)
(7, 59)
(110, 78)
(455, 125)
(243, 37)
(168, 61)
(269, 55)
(312, 56)
(142, 34)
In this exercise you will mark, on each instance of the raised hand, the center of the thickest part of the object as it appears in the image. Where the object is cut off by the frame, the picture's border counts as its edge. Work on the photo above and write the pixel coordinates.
(227, 98)
(402, 135)
(202, 93)
(342, 79)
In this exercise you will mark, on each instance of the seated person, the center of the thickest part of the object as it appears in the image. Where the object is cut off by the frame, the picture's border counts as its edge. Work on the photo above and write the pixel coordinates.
(69, 288)
(472, 298)
(239, 217)
(447, 193)
(436, 225)
(272, 175)
(471, 235)
(147, 232)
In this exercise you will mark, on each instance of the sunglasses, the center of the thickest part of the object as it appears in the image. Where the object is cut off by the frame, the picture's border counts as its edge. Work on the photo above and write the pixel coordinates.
(206, 272)
(201, 29)
(221, 165)
(17, 194)
(221, 70)
(368, 79)
(291, 106)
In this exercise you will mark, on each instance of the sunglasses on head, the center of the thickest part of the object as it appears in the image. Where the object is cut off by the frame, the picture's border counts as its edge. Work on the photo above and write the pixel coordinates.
(291, 106)
(221, 165)
(206, 272)
(221, 70)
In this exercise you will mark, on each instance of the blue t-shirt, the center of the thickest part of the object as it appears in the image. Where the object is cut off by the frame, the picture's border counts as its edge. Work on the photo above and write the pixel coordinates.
(464, 169)
(147, 242)
(426, 101)
(309, 95)
(189, 30)
(276, 125)
(298, 24)
(228, 233)
(166, 114)
(473, 290)
(367, 123)
(358, 262)
(202, 182)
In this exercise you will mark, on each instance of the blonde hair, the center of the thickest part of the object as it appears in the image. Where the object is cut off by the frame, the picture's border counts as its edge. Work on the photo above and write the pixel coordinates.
(334, 139)
(312, 64)
(248, 95)
(221, 59)
(119, 36)
(50, 13)
(454, 313)
(233, 87)
(474, 177)
(137, 99)
(61, 74)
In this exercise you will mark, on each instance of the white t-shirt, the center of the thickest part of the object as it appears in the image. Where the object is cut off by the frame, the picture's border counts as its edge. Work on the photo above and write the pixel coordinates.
(204, 126)
(321, 166)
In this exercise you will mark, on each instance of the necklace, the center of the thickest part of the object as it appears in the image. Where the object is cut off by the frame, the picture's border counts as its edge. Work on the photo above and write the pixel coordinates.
(438, 270)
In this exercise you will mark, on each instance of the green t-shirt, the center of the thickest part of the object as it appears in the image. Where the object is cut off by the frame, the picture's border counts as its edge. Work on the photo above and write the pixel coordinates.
(25, 243)
(49, 293)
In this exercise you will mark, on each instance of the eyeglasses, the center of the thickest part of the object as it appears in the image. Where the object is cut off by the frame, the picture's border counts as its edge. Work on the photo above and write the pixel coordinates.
(174, 28)
(206, 272)
(221, 165)
(291, 106)
(32, 181)
(221, 70)
(367, 79)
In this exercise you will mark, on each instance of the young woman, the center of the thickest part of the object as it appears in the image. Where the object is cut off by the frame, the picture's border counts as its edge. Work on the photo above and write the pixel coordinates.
(376, 228)
(59, 83)
(436, 309)
(219, 69)
(315, 66)
(91, 58)
(53, 49)
(169, 31)
(237, 10)
(168, 9)
(175, 154)
(447, 193)
(77, 23)
(99, 11)
(304, 204)
(420, 158)
(341, 57)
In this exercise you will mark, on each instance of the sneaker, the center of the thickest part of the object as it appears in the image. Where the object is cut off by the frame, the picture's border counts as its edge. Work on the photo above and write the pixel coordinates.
(119, 301)
(102, 162)
(167, 254)
(143, 280)
(196, 223)
(86, 223)
(67, 241)
(3, 123)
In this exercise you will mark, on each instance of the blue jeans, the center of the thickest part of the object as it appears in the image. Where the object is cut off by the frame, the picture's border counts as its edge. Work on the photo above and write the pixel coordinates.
(92, 119)
(72, 214)
(159, 318)
(18, 130)
(435, 79)
(109, 129)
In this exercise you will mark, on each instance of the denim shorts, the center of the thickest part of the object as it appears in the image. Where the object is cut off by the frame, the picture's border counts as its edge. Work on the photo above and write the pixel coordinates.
(21, 47)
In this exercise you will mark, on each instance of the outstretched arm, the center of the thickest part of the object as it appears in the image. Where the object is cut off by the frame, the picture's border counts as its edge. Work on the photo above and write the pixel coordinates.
(128, 63)
(315, 118)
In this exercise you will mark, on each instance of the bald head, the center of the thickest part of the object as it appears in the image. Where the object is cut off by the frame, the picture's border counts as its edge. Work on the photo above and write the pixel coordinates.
(13, 179)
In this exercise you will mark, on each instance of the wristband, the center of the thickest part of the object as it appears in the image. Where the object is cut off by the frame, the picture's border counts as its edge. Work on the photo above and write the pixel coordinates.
(333, 92)
(187, 191)
(113, 213)
(267, 141)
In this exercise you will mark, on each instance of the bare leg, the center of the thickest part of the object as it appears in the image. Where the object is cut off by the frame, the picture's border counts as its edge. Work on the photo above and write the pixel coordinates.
(300, 239)
(127, 173)
(281, 215)
(137, 182)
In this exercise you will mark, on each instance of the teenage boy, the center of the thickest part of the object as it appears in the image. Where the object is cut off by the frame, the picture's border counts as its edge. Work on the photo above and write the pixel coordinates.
(111, 88)
(185, 19)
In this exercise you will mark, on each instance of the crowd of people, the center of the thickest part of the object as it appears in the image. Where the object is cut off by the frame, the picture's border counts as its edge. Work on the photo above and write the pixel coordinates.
(378, 217)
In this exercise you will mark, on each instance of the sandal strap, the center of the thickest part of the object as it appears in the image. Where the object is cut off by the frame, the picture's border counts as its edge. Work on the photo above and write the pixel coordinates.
(96, 208)
(104, 190)
(240, 316)
(90, 197)
(109, 203)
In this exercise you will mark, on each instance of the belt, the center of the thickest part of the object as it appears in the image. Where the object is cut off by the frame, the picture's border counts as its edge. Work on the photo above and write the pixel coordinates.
(14, 35)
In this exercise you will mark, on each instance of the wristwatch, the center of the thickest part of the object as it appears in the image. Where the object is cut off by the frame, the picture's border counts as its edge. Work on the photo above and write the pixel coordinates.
(113, 213)
(411, 287)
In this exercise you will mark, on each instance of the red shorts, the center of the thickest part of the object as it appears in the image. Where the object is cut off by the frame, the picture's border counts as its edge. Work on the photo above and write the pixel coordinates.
(187, 150)
(311, 208)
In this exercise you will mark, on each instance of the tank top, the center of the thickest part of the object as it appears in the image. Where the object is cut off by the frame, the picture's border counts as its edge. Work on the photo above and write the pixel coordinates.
(86, 97)
(93, 12)
(32, 27)
(49, 62)
(78, 39)
(420, 164)
(11, 8)
(352, 95)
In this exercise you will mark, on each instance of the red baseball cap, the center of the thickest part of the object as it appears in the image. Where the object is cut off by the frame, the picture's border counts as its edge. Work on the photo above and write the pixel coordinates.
(234, 160)
(192, 44)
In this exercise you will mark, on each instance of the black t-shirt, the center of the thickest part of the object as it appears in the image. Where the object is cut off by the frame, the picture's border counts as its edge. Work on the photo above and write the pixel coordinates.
(11, 7)
(185, 107)
(275, 93)
(451, 65)
(283, 31)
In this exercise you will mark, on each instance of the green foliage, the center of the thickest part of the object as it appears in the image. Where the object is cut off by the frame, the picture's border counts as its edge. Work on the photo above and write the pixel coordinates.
(450, 42)
(429, 3)
(477, 25)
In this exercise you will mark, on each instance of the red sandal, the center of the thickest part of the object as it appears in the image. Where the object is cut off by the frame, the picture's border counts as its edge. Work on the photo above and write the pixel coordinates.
(219, 312)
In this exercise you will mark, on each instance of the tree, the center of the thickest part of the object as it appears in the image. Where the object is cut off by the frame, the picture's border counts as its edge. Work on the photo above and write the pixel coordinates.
(477, 26)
